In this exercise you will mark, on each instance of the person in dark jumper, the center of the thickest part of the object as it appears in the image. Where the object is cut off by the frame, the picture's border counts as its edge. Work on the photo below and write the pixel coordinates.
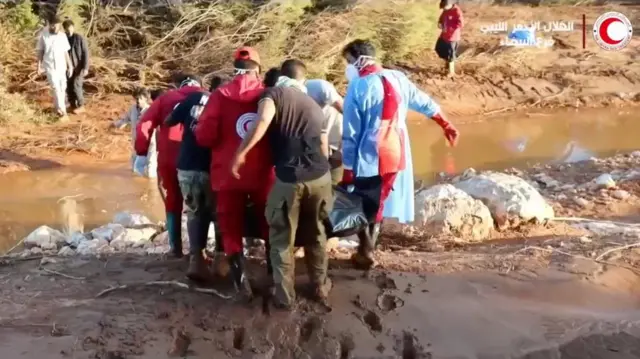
(79, 54)
(193, 176)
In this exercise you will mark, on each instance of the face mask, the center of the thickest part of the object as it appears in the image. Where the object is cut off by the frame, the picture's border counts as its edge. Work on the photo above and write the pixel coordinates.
(351, 72)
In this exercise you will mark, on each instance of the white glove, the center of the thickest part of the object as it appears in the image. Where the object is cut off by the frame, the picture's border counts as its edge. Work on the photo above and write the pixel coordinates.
(139, 165)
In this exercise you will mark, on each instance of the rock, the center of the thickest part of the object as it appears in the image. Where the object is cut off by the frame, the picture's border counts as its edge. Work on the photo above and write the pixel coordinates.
(35, 251)
(66, 251)
(582, 202)
(46, 238)
(585, 240)
(546, 181)
(48, 260)
(74, 239)
(605, 181)
(635, 154)
(444, 209)
(127, 219)
(610, 229)
(91, 247)
(108, 232)
(507, 196)
(620, 194)
(133, 238)
(561, 197)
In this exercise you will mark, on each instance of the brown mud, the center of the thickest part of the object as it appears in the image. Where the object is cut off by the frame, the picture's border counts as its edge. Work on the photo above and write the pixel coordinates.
(54, 309)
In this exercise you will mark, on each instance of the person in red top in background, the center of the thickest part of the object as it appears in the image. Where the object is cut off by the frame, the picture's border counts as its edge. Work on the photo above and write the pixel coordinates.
(225, 121)
(168, 145)
(450, 23)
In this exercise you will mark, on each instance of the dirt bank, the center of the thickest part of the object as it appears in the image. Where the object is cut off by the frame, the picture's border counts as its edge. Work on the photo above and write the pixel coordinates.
(54, 308)
(491, 80)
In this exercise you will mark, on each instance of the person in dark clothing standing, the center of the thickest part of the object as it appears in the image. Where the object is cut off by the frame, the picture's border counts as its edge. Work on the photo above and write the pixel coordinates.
(79, 54)
(193, 176)
(450, 24)
(302, 197)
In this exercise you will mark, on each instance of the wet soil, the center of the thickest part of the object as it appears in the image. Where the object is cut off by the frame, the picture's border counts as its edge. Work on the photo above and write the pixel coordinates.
(55, 309)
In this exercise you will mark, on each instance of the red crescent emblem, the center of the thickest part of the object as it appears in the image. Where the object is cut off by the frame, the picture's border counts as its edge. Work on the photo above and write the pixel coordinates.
(612, 31)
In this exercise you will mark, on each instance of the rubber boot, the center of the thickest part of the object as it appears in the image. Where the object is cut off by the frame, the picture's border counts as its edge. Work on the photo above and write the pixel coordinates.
(239, 277)
(198, 270)
(174, 228)
(220, 264)
(452, 68)
(363, 259)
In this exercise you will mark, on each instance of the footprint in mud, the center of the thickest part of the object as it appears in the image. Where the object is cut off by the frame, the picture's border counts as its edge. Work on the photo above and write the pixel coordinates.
(347, 345)
(389, 302)
(411, 349)
(373, 321)
(310, 326)
(384, 282)
(180, 345)
(239, 335)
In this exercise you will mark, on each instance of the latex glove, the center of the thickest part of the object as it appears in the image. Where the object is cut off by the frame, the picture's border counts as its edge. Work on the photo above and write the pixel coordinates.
(69, 72)
(347, 177)
(450, 132)
(139, 165)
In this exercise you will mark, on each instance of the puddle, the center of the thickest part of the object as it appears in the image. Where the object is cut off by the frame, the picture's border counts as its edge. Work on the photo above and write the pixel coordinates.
(29, 199)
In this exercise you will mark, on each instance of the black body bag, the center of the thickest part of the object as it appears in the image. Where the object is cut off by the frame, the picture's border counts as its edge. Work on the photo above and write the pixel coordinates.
(348, 216)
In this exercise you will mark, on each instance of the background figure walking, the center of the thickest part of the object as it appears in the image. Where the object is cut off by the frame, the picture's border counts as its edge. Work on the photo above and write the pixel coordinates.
(450, 23)
(54, 61)
(79, 54)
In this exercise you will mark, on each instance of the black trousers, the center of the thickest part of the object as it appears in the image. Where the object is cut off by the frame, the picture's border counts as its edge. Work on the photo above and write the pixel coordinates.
(446, 50)
(75, 93)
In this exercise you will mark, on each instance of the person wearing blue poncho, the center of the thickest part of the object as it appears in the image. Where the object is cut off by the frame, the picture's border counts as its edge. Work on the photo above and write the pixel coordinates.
(376, 149)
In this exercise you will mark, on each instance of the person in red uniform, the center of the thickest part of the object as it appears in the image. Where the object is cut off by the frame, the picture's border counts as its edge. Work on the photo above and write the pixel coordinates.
(450, 24)
(225, 121)
(168, 145)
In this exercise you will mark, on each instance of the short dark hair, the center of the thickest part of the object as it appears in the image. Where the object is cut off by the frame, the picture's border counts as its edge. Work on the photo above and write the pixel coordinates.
(293, 68)
(271, 77)
(141, 92)
(246, 64)
(67, 23)
(53, 19)
(357, 48)
(216, 81)
(156, 93)
(183, 76)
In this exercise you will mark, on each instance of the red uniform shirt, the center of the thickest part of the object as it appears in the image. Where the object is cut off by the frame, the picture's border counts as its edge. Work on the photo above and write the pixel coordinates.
(451, 24)
(169, 138)
(225, 120)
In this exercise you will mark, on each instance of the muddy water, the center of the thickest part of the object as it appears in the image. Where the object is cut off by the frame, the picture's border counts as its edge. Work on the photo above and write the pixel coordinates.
(29, 199)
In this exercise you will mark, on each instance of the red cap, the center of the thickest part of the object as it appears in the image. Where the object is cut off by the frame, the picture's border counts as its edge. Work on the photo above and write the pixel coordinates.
(247, 53)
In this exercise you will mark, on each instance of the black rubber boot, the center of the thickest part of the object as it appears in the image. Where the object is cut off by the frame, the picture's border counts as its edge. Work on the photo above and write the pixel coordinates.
(239, 277)
(174, 229)
(363, 259)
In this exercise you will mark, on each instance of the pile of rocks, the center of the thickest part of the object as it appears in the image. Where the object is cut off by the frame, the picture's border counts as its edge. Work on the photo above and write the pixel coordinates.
(127, 233)
(473, 204)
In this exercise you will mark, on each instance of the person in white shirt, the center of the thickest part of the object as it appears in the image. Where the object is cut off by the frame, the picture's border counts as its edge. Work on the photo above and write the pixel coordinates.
(54, 61)
(147, 167)
(325, 95)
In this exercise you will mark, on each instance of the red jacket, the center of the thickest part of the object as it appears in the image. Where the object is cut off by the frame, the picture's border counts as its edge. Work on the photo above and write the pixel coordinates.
(451, 23)
(169, 138)
(222, 125)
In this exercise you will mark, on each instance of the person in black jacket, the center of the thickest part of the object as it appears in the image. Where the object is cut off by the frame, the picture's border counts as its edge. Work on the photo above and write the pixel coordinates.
(79, 54)
(193, 176)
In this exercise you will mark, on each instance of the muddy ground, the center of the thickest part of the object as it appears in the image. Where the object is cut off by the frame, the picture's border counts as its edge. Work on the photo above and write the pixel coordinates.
(538, 298)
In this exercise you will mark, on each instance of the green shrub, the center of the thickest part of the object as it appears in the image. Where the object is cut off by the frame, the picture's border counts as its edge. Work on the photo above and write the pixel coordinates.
(22, 17)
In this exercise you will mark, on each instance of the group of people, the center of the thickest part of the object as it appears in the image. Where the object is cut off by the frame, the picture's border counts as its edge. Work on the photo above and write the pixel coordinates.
(281, 142)
(277, 143)
(63, 56)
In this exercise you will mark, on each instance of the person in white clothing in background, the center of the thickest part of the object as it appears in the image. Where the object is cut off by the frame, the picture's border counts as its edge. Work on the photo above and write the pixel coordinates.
(147, 166)
(54, 61)
(325, 95)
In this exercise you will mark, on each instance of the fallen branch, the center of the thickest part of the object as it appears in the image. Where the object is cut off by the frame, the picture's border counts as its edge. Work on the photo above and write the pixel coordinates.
(504, 109)
(165, 283)
(15, 246)
(617, 249)
(580, 219)
(61, 274)
(596, 260)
